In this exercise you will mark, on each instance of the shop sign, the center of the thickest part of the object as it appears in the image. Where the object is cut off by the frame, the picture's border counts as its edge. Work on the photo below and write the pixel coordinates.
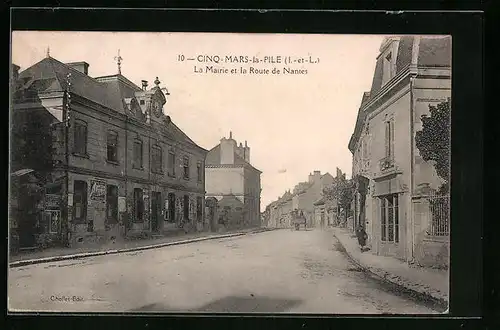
(97, 191)
(52, 201)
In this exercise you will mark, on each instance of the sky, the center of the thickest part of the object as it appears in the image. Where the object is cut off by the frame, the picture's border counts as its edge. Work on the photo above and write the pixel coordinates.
(294, 123)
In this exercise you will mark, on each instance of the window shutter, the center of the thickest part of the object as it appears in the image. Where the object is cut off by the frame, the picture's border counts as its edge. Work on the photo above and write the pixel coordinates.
(387, 140)
(391, 126)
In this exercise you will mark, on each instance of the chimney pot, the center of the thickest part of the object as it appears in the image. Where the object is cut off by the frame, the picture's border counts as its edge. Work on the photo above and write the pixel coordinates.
(144, 84)
(230, 134)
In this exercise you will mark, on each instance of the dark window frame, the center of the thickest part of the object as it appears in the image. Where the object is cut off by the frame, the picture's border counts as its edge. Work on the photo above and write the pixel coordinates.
(80, 196)
(80, 137)
(199, 209)
(170, 212)
(199, 169)
(112, 150)
(389, 218)
(185, 207)
(186, 167)
(139, 208)
(138, 157)
(171, 163)
(156, 158)
(112, 204)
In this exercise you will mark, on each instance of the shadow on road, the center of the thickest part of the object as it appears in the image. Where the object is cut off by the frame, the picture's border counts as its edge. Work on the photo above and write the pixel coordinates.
(231, 304)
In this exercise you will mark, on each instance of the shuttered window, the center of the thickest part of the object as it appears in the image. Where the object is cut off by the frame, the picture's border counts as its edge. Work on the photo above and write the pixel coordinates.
(80, 137)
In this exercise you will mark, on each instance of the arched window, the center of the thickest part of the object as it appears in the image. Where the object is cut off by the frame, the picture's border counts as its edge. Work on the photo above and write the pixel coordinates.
(80, 137)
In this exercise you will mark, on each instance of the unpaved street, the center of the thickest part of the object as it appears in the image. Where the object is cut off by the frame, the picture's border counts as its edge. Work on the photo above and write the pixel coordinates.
(271, 272)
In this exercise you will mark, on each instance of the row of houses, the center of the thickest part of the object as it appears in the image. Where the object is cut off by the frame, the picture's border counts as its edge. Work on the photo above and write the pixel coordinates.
(98, 158)
(396, 198)
(307, 197)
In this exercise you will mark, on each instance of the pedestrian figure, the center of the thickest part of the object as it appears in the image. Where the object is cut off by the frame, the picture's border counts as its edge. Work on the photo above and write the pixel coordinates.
(362, 237)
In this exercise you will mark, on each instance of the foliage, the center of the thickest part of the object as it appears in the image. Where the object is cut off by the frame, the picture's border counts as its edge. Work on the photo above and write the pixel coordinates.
(433, 141)
(341, 190)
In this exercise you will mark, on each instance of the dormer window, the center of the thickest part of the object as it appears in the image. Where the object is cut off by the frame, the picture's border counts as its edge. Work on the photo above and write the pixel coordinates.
(389, 54)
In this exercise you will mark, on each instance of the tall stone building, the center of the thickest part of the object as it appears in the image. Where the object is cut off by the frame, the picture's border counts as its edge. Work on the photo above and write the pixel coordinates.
(119, 166)
(235, 183)
(395, 197)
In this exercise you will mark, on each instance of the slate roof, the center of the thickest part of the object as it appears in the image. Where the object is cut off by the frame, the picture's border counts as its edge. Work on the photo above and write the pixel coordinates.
(213, 158)
(50, 75)
(113, 92)
(433, 51)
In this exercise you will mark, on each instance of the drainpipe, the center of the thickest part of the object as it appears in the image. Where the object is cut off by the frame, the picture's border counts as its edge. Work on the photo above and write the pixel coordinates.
(413, 75)
(125, 215)
(67, 118)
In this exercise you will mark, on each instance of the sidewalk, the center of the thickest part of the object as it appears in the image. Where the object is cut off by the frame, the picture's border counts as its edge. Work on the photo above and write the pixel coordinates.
(431, 283)
(61, 253)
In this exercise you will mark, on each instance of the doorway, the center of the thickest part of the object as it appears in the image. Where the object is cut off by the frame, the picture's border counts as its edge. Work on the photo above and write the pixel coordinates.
(155, 211)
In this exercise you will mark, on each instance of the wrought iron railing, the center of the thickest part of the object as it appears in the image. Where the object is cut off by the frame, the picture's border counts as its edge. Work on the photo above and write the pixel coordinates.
(439, 224)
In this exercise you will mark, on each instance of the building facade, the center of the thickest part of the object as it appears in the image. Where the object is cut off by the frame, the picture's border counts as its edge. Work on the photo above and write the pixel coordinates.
(394, 184)
(302, 198)
(121, 167)
(234, 182)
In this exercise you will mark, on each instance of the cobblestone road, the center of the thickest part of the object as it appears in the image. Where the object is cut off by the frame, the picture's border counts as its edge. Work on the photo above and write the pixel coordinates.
(280, 271)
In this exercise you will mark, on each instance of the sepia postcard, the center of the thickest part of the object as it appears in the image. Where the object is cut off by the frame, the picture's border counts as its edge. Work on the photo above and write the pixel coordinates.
(229, 173)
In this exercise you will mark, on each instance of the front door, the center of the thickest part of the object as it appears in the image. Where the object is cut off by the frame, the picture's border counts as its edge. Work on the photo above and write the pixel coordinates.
(155, 210)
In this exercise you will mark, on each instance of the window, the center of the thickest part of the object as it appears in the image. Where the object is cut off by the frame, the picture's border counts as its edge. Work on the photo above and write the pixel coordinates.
(171, 207)
(185, 166)
(138, 205)
(171, 164)
(112, 204)
(186, 207)
(199, 208)
(389, 218)
(80, 201)
(142, 102)
(80, 138)
(389, 140)
(137, 159)
(112, 143)
(156, 159)
(388, 68)
(199, 171)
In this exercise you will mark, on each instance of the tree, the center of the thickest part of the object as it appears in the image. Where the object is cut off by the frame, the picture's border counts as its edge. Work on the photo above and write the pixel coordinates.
(342, 191)
(433, 141)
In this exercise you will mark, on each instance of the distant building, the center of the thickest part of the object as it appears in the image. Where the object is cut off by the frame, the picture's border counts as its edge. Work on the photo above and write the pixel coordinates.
(395, 186)
(117, 165)
(230, 177)
(303, 197)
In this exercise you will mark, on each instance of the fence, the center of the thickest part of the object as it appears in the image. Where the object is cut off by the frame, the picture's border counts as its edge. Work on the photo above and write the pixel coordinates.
(439, 206)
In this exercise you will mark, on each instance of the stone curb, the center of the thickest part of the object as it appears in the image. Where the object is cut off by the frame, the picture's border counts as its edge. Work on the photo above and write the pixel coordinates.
(138, 248)
(440, 303)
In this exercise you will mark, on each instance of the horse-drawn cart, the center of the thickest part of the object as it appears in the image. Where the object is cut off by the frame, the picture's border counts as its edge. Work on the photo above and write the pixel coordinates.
(298, 219)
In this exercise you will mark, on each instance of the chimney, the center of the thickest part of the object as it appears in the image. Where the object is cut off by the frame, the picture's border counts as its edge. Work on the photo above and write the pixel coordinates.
(83, 67)
(246, 152)
(144, 84)
(227, 150)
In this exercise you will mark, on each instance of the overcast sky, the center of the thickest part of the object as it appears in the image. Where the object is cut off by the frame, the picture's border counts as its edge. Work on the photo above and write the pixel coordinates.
(294, 124)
